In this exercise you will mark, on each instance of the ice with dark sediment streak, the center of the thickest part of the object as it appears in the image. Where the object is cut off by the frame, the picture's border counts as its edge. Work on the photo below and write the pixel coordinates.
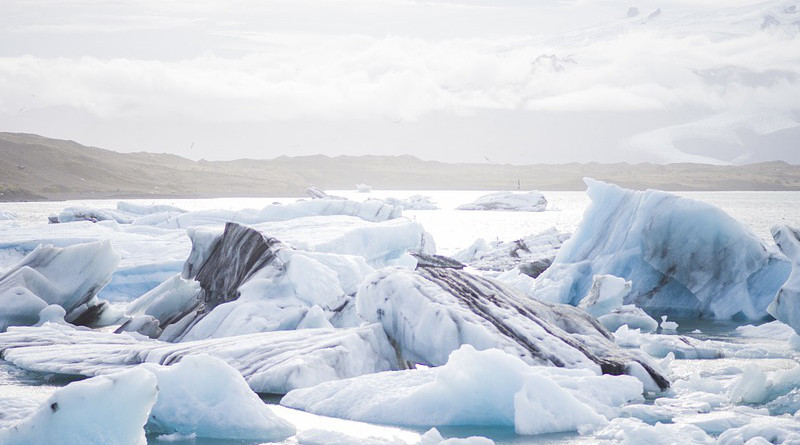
(270, 362)
(241, 281)
(530, 255)
(684, 257)
(69, 277)
(432, 311)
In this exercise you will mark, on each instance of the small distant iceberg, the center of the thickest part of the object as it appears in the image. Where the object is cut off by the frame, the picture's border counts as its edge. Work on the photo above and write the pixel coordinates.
(363, 188)
(532, 201)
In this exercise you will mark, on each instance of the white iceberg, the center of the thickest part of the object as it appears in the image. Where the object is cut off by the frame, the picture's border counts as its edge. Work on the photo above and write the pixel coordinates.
(606, 294)
(69, 277)
(110, 410)
(432, 311)
(475, 388)
(786, 305)
(532, 201)
(270, 362)
(684, 257)
(203, 396)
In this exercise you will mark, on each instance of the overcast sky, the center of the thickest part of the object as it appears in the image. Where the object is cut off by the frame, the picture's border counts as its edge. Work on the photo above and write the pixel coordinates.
(508, 81)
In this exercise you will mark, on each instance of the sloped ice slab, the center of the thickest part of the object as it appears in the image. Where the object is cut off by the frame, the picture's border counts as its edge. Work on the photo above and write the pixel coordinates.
(432, 311)
(69, 277)
(684, 257)
(271, 362)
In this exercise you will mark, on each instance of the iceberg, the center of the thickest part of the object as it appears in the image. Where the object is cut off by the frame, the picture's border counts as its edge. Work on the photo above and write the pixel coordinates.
(685, 258)
(109, 409)
(238, 280)
(270, 362)
(69, 277)
(786, 305)
(487, 387)
(431, 311)
(203, 396)
(244, 282)
(532, 201)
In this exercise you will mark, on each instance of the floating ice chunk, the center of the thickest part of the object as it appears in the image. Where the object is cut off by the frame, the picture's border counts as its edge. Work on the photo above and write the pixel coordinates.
(684, 257)
(474, 387)
(52, 314)
(667, 326)
(775, 329)
(629, 315)
(363, 188)
(716, 422)
(204, 396)
(786, 306)
(531, 254)
(606, 294)
(109, 409)
(69, 277)
(763, 430)
(532, 201)
(634, 431)
(271, 362)
(433, 437)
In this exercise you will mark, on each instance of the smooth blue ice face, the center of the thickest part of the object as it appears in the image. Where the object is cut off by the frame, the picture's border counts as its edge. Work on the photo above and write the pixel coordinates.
(685, 257)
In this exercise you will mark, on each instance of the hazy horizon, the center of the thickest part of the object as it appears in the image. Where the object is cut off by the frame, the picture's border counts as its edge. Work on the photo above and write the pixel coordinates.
(454, 81)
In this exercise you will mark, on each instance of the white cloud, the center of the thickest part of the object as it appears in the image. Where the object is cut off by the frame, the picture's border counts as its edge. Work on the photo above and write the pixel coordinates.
(671, 63)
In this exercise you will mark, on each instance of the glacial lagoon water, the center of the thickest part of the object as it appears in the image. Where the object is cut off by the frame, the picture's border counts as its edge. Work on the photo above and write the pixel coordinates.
(454, 230)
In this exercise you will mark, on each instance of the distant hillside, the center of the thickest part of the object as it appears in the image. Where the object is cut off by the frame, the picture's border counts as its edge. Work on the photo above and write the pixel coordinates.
(34, 168)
